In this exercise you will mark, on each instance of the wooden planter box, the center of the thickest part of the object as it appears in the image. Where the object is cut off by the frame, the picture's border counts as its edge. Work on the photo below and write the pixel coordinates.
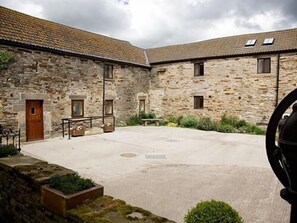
(78, 131)
(59, 203)
(108, 128)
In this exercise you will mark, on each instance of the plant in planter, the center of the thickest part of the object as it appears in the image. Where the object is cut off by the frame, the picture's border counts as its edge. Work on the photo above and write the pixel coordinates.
(67, 191)
(8, 150)
(108, 127)
(78, 131)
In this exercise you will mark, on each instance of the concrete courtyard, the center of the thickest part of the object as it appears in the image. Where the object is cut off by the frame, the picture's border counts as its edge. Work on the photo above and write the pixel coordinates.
(168, 170)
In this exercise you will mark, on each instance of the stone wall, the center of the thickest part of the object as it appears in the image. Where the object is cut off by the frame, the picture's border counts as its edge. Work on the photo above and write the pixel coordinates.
(288, 74)
(20, 191)
(126, 89)
(229, 86)
(56, 79)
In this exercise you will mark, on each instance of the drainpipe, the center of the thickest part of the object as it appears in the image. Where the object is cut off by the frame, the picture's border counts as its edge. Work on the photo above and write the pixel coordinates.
(277, 79)
(103, 96)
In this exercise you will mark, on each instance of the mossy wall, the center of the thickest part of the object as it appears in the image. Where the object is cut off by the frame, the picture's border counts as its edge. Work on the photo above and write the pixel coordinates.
(20, 180)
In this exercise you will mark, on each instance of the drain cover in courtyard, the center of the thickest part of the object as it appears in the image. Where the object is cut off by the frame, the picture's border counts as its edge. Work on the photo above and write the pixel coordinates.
(155, 156)
(128, 154)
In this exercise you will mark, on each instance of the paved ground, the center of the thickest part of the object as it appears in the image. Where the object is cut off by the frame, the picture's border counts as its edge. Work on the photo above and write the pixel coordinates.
(168, 170)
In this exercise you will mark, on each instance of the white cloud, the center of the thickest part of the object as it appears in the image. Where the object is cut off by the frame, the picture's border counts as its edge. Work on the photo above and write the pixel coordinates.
(25, 6)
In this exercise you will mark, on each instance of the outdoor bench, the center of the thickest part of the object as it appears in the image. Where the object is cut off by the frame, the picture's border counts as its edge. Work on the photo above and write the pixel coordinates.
(156, 120)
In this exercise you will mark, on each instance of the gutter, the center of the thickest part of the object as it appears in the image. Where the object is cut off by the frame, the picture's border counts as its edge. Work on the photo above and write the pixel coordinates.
(103, 98)
(277, 80)
(221, 56)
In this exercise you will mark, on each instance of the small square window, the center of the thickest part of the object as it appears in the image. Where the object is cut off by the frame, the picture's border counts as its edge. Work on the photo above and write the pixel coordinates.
(264, 65)
(199, 69)
(108, 71)
(141, 105)
(77, 108)
(108, 107)
(198, 102)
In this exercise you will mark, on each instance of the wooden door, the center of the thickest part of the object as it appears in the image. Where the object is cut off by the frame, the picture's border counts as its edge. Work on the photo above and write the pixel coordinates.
(34, 120)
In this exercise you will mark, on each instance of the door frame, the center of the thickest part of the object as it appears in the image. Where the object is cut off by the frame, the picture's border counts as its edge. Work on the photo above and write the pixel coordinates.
(27, 121)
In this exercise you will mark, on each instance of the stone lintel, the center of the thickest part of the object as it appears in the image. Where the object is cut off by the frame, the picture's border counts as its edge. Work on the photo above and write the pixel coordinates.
(77, 96)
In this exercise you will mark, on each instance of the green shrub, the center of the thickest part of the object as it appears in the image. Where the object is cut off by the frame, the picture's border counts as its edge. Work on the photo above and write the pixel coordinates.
(144, 115)
(151, 115)
(213, 212)
(207, 124)
(163, 122)
(5, 59)
(172, 119)
(227, 128)
(71, 183)
(179, 118)
(172, 124)
(253, 129)
(189, 122)
(229, 120)
(240, 123)
(134, 120)
(8, 150)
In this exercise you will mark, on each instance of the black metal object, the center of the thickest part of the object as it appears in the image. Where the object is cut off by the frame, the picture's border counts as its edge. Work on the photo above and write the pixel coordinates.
(283, 155)
(10, 136)
(72, 121)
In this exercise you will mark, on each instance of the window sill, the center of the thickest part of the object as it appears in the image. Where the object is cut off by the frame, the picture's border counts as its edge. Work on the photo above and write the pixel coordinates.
(264, 75)
(109, 79)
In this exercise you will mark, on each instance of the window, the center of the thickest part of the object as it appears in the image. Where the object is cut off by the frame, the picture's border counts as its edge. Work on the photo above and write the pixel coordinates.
(77, 108)
(268, 41)
(141, 105)
(264, 65)
(198, 102)
(251, 42)
(108, 107)
(108, 71)
(199, 69)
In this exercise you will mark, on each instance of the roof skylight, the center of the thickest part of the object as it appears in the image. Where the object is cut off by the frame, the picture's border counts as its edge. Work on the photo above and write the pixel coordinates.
(268, 41)
(251, 42)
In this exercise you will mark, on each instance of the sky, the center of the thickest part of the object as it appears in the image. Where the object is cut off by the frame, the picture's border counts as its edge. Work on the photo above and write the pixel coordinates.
(154, 23)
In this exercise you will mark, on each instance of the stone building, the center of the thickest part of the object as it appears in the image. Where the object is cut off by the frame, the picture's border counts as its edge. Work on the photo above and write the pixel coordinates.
(62, 72)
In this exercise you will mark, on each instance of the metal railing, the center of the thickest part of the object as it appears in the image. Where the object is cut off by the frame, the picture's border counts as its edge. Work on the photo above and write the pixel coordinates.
(10, 136)
(68, 123)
